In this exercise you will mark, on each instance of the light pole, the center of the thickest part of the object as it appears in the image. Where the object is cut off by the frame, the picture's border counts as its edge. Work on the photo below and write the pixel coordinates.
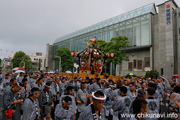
(59, 62)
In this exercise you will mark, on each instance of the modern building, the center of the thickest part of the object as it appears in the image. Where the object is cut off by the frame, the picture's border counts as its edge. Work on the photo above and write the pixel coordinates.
(6, 65)
(38, 61)
(153, 33)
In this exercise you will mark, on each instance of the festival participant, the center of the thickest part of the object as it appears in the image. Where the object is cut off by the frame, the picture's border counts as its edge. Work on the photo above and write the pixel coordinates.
(97, 85)
(65, 110)
(96, 110)
(25, 89)
(88, 84)
(81, 99)
(116, 93)
(108, 102)
(140, 109)
(141, 94)
(132, 93)
(11, 85)
(122, 104)
(20, 77)
(56, 94)
(56, 90)
(45, 102)
(174, 98)
(1, 77)
(38, 84)
(10, 102)
(6, 81)
(31, 106)
(32, 80)
(153, 104)
(63, 85)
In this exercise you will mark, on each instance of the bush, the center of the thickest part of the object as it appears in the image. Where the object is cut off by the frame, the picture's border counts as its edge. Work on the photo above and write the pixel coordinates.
(152, 74)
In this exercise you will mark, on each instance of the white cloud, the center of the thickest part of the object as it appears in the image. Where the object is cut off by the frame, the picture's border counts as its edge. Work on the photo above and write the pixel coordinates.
(28, 25)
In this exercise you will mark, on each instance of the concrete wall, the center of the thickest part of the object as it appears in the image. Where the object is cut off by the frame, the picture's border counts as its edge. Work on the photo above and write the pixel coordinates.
(138, 55)
(163, 41)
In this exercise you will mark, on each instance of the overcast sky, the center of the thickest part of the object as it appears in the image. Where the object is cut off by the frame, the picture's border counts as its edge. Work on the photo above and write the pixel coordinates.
(28, 25)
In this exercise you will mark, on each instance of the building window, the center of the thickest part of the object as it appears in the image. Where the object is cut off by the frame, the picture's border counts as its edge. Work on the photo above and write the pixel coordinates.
(130, 66)
(147, 61)
(134, 63)
(139, 64)
(162, 72)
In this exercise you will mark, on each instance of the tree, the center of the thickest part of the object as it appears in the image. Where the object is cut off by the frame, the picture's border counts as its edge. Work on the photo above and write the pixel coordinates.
(17, 58)
(66, 58)
(115, 46)
(27, 61)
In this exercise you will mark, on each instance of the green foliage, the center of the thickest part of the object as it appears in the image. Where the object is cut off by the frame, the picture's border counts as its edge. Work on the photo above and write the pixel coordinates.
(34, 66)
(152, 74)
(17, 58)
(27, 61)
(66, 58)
(115, 46)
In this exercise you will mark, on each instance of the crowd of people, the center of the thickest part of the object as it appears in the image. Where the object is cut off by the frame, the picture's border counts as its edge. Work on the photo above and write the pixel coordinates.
(38, 96)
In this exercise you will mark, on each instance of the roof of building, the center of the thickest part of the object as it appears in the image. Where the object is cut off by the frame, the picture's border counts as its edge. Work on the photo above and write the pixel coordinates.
(150, 8)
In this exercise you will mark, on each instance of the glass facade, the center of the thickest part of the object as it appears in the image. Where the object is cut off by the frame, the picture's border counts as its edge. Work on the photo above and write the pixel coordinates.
(179, 20)
(138, 31)
(136, 25)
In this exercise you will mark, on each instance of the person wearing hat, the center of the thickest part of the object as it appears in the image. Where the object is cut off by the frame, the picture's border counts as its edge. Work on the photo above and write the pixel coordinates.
(132, 93)
(122, 104)
(45, 102)
(10, 101)
(65, 110)
(31, 106)
(96, 110)
(81, 99)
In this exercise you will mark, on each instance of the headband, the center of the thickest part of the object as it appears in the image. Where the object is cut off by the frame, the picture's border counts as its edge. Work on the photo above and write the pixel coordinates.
(47, 86)
(97, 97)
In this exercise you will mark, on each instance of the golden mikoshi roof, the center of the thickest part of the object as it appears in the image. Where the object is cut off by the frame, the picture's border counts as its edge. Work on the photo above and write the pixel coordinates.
(96, 53)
